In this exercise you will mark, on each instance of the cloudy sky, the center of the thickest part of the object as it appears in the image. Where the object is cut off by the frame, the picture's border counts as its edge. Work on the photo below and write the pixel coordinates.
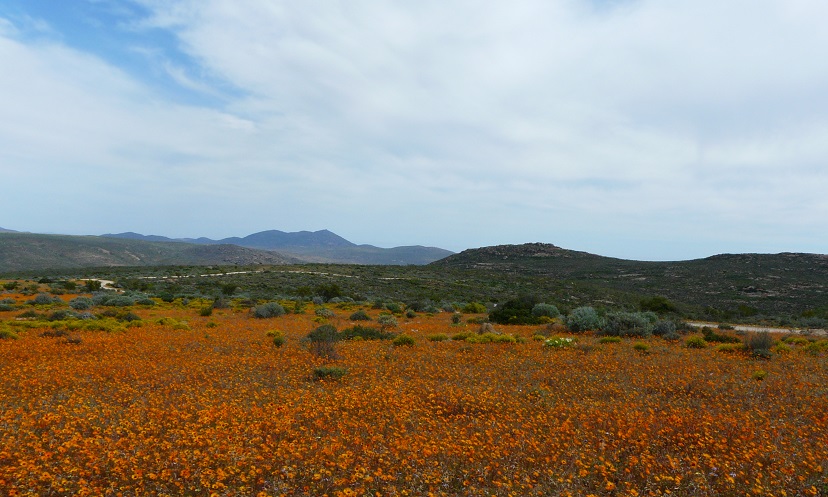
(640, 129)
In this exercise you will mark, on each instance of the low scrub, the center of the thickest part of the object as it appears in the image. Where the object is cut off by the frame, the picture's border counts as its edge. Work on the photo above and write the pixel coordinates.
(695, 342)
(329, 373)
(268, 310)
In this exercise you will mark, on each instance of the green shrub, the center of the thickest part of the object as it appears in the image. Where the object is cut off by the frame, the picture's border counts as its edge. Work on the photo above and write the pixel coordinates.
(462, 335)
(456, 318)
(609, 339)
(545, 310)
(658, 304)
(324, 333)
(474, 308)
(278, 339)
(713, 337)
(437, 337)
(268, 310)
(760, 375)
(729, 348)
(360, 315)
(410, 314)
(641, 347)
(515, 311)
(364, 333)
(403, 341)
(583, 319)
(394, 307)
(329, 373)
(149, 302)
(695, 342)
(7, 334)
(206, 311)
(759, 344)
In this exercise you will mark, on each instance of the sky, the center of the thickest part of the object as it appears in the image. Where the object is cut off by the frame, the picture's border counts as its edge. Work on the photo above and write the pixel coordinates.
(639, 129)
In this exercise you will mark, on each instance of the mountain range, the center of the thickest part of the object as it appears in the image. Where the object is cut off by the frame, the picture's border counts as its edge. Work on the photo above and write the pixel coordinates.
(28, 251)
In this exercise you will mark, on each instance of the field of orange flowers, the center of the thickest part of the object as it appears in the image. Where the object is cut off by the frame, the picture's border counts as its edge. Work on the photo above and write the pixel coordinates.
(212, 407)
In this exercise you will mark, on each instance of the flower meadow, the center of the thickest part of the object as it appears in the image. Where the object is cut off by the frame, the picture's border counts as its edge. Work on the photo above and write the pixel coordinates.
(175, 402)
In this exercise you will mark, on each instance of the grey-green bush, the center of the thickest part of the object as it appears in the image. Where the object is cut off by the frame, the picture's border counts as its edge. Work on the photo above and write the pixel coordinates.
(583, 319)
(664, 327)
(268, 310)
(627, 324)
(80, 303)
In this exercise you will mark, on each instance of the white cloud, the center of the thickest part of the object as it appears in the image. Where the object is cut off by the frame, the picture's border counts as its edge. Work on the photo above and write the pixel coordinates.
(524, 121)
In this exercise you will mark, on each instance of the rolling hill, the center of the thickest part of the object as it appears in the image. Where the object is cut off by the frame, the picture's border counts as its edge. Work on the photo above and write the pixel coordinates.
(745, 283)
(25, 252)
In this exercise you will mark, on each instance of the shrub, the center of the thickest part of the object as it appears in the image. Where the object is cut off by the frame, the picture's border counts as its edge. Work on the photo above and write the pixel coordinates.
(403, 341)
(278, 339)
(323, 342)
(44, 299)
(760, 375)
(364, 333)
(695, 342)
(490, 338)
(80, 303)
(729, 348)
(462, 336)
(547, 310)
(609, 340)
(627, 324)
(7, 334)
(326, 313)
(474, 308)
(148, 301)
(515, 311)
(268, 310)
(456, 318)
(119, 301)
(583, 319)
(360, 315)
(329, 373)
(642, 347)
(658, 304)
(664, 327)
(713, 337)
(437, 337)
(759, 344)
(6, 307)
(324, 333)
(394, 307)
(387, 321)
(410, 314)
(559, 342)
(206, 311)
